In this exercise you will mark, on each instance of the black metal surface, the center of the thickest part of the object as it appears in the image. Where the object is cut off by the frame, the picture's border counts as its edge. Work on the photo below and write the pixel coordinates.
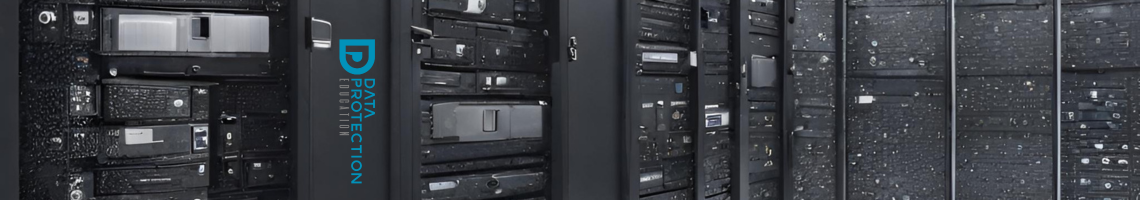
(1006, 94)
(813, 28)
(1092, 36)
(896, 139)
(485, 186)
(252, 132)
(153, 141)
(766, 190)
(465, 151)
(268, 194)
(764, 159)
(152, 179)
(179, 67)
(594, 118)
(1097, 161)
(469, 83)
(1014, 103)
(1005, 40)
(813, 148)
(686, 194)
(331, 175)
(716, 162)
(180, 195)
(481, 165)
(654, 30)
(1005, 141)
(897, 41)
(155, 101)
(1005, 165)
(888, 3)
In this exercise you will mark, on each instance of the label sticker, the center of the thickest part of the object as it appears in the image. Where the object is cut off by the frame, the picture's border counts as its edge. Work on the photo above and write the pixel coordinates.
(659, 57)
(441, 185)
(139, 136)
(82, 17)
(652, 176)
(866, 99)
(476, 6)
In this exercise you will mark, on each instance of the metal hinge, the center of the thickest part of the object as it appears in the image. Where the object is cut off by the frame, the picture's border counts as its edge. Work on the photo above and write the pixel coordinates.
(573, 48)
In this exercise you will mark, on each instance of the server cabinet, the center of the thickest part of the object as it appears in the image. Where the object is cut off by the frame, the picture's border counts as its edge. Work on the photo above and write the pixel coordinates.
(762, 47)
(660, 42)
(814, 102)
(897, 100)
(687, 97)
(485, 83)
(156, 99)
(1018, 156)
(1097, 93)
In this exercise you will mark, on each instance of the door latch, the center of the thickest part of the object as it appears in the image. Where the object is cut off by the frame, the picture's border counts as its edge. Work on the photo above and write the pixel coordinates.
(320, 33)
(573, 48)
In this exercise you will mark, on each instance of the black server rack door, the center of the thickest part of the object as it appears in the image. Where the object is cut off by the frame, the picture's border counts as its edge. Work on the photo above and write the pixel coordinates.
(8, 120)
(896, 100)
(816, 137)
(1098, 100)
(344, 166)
(1006, 72)
(594, 101)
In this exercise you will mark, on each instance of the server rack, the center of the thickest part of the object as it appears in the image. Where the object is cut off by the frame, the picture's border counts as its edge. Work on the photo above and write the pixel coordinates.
(148, 81)
(816, 136)
(1032, 145)
(896, 102)
(441, 75)
(1098, 160)
(688, 177)
(763, 81)
(302, 71)
(754, 32)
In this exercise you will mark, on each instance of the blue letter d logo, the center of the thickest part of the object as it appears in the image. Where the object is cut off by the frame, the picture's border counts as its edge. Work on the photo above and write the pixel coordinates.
(356, 55)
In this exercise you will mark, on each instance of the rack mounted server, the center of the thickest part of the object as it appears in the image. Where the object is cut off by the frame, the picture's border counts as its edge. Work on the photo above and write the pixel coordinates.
(154, 100)
(483, 73)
